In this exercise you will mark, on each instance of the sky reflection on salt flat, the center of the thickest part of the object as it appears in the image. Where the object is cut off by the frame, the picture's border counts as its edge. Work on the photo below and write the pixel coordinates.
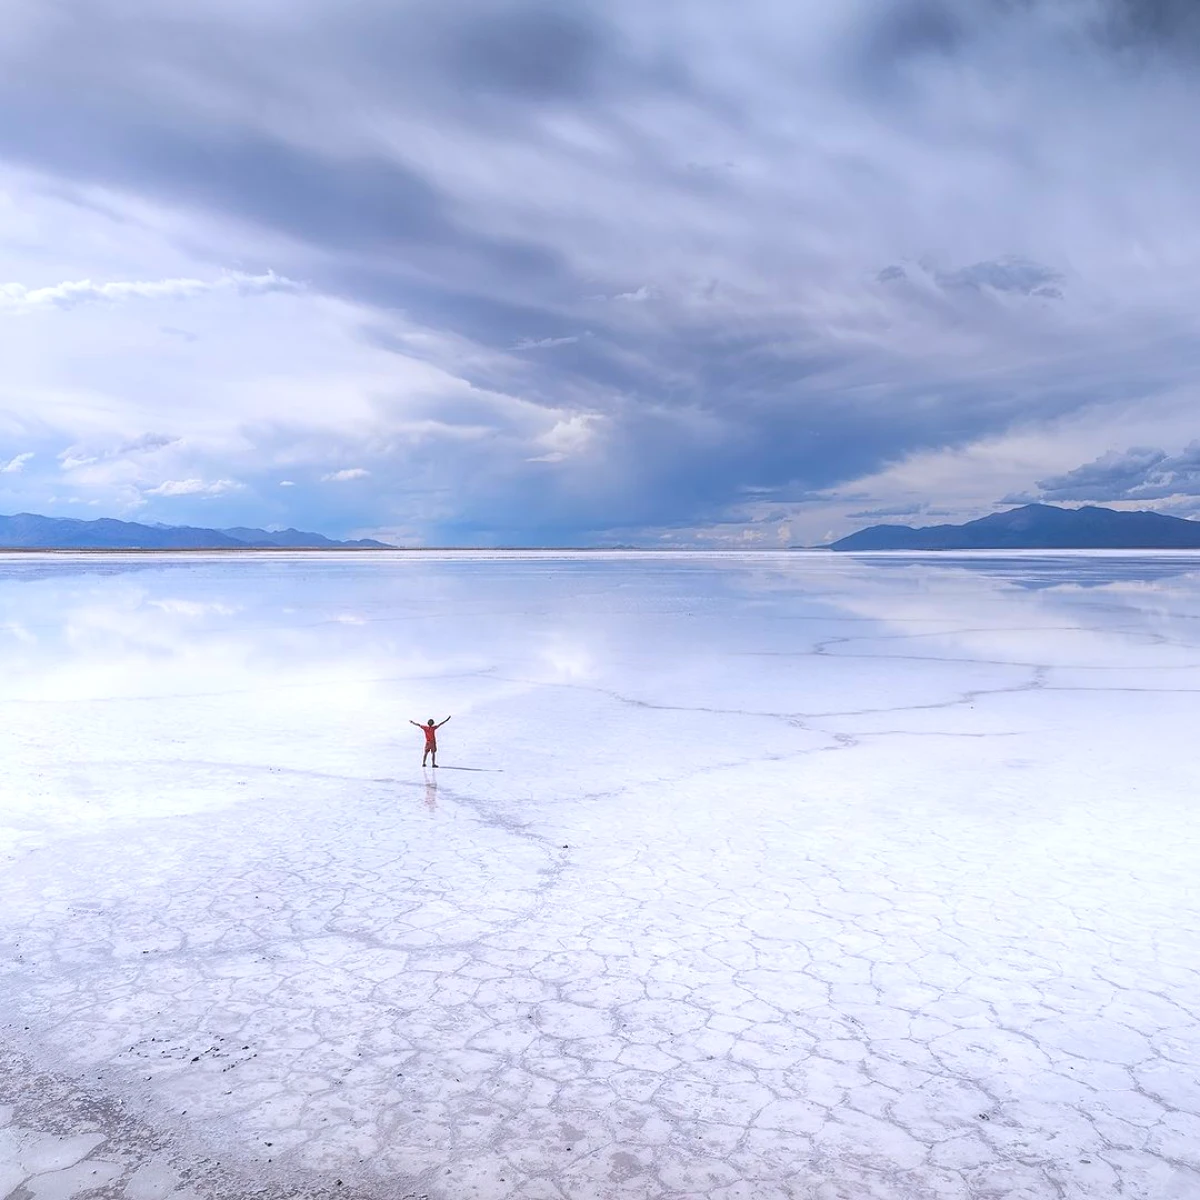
(324, 659)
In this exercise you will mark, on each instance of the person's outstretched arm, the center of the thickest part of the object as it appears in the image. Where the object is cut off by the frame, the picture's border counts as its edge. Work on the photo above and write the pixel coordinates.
(416, 723)
(441, 723)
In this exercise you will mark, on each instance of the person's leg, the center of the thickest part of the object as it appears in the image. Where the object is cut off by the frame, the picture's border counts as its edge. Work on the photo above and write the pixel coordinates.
(434, 752)
(424, 756)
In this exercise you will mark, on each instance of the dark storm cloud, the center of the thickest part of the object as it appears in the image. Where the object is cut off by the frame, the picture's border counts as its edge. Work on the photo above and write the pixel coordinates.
(728, 328)
(91, 108)
(1140, 473)
(1173, 24)
(899, 34)
(898, 38)
(537, 52)
(699, 461)
(899, 43)
(478, 53)
(353, 205)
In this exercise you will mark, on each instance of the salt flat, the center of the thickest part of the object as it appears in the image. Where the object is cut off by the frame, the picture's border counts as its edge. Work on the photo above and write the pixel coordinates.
(776, 875)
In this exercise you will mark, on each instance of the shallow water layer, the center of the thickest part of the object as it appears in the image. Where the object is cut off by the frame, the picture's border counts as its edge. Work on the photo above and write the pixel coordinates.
(779, 875)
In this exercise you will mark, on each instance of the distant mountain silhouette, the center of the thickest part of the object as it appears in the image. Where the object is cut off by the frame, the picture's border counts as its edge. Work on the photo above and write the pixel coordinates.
(1037, 527)
(29, 531)
(299, 540)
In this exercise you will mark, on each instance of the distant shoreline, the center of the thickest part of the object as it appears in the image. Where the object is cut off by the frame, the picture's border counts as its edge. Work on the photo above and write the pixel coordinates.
(200, 549)
(235, 551)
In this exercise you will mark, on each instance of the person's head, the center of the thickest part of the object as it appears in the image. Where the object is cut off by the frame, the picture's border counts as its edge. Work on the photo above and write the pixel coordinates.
(429, 722)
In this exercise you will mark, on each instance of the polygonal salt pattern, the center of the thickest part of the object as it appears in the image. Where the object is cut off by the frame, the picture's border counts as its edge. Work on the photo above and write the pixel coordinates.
(744, 876)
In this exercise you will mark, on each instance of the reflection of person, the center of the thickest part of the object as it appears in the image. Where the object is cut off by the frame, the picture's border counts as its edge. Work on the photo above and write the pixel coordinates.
(429, 729)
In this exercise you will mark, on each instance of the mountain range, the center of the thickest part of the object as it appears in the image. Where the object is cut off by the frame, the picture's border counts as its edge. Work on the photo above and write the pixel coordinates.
(1031, 527)
(29, 531)
(1037, 527)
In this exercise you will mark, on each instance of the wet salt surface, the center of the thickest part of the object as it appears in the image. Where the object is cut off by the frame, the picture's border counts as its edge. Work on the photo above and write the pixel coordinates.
(773, 875)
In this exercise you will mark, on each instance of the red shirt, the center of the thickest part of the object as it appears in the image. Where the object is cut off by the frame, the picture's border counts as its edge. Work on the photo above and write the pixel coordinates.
(430, 732)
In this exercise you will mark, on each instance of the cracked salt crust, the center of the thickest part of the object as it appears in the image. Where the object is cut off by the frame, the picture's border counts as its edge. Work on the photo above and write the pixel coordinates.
(777, 876)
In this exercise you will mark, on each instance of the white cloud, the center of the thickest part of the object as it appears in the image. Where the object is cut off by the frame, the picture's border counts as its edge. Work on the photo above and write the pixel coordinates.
(567, 437)
(194, 487)
(1139, 473)
(545, 343)
(14, 466)
(287, 483)
(195, 608)
(17, 298)
(348, 474)
(74, 457)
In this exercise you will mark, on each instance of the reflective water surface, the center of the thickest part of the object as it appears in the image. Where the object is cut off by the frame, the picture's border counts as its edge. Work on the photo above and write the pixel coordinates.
(741, 876)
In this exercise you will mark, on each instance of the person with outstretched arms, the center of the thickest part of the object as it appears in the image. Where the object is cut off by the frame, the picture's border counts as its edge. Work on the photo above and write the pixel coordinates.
(429, 729)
